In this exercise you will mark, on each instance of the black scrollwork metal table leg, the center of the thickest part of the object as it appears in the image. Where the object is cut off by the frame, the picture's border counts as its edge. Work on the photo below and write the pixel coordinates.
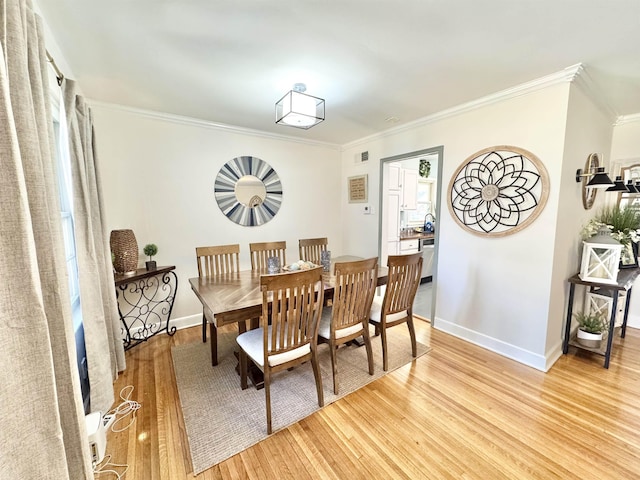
(145, 302)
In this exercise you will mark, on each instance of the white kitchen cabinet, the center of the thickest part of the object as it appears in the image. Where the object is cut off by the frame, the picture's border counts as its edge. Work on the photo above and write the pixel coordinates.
(409, 246)
(393, 216)
(395, 177)
(409, 190)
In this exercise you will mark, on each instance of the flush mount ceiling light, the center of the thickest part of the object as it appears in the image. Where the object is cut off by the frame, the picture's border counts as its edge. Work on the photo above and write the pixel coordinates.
(297, 109)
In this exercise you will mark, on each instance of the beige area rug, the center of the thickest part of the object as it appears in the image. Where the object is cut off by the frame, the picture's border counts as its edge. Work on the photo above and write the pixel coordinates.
(221, 419)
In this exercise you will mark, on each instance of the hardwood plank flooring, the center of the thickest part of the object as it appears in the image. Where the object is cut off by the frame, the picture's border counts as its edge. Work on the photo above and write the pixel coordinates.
(459, 412)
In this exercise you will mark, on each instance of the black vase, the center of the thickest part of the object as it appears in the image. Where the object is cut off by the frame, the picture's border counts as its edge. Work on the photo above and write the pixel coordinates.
(151, 265)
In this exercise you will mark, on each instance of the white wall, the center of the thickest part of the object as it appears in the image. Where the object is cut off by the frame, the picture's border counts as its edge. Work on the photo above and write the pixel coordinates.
(625, 149)
(491, 291)
(589, 130)
(158, 174)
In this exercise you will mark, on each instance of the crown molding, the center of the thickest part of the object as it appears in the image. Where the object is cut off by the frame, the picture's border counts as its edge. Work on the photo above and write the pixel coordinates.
(195, 122)
(568, 74)
(624, 119)
(584, 81)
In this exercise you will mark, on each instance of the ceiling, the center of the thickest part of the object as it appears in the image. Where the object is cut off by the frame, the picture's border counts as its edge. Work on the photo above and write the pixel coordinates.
(377, 63)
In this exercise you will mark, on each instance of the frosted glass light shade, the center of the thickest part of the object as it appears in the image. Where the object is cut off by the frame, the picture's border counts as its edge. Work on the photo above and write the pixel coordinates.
(299, 110)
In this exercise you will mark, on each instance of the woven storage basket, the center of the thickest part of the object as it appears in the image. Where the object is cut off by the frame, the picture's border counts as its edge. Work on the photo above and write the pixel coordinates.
(125, 251)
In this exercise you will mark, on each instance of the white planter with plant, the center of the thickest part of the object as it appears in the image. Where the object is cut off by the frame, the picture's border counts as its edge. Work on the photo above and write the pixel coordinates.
(591, 329)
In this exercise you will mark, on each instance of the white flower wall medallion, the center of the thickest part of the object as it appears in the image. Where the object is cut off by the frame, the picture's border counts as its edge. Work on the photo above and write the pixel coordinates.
(498, 191)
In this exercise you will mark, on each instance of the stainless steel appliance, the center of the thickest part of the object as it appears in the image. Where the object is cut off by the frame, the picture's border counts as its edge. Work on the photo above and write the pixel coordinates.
(427, 245)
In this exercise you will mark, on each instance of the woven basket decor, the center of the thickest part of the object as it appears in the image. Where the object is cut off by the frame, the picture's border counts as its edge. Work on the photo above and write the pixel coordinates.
(125, 251)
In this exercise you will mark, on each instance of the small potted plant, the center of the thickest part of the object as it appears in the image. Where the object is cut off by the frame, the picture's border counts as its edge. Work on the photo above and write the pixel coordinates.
(150, 250)
(591, 328)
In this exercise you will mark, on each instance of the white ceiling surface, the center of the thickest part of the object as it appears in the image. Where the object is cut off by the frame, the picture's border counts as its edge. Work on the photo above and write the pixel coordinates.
(229, 61)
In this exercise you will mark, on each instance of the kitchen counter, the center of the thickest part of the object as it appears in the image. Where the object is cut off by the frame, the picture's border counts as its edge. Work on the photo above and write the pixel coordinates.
(416, 236)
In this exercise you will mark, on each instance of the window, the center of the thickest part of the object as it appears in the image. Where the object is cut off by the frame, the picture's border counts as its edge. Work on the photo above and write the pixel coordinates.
(425, 203)
(65, 185)
(631, 172)
(66, 206)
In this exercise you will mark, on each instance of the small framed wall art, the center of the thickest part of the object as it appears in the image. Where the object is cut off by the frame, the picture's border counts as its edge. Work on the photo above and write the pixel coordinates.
(358, 189)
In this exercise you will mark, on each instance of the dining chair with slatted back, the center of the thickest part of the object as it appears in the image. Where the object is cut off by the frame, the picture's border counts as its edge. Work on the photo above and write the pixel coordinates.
(311, 249)
(396, 305)
(260, 252)
(291, 309)
(215, 260)
(348, 317)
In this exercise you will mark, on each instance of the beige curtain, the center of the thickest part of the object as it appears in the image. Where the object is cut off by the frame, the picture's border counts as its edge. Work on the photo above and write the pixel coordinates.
(103, 340)
(42, 433)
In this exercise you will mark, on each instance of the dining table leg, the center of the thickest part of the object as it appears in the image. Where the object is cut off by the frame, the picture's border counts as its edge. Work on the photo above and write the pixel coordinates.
(213, 333)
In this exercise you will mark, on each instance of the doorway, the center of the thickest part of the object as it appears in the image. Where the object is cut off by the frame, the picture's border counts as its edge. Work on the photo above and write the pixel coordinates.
(410, 191)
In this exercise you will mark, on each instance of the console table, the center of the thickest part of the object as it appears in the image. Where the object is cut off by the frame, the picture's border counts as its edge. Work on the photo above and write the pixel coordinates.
(145, 300)
(626, 277)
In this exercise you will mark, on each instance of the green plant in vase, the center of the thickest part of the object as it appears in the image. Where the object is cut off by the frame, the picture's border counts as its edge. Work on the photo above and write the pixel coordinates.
(424, 168)
(150, 250)
(591, 328)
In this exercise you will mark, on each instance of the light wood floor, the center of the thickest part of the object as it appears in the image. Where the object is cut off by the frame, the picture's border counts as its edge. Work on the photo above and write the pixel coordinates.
(458, 412)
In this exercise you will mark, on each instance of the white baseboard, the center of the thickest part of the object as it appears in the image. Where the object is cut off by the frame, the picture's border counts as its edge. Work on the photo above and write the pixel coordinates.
(534, 360)
(186, 322)
(633, 321)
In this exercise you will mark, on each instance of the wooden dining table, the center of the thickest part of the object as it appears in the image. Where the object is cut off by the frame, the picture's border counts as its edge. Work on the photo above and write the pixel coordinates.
(236, 297)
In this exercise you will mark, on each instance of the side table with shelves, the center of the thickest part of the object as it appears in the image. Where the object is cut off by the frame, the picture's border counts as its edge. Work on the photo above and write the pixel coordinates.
(145, 301)
(626, 277)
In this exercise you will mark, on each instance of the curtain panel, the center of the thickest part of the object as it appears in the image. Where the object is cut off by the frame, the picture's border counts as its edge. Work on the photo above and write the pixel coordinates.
(103, 339)
(42, 430)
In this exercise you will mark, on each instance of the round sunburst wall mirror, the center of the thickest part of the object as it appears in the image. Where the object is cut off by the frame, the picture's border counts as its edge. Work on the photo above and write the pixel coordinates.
(248, 191)
(498, 191)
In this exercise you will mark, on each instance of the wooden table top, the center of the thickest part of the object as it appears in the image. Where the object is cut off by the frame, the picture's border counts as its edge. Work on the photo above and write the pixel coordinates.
(236, 296)
(626, 277)
(139, 274)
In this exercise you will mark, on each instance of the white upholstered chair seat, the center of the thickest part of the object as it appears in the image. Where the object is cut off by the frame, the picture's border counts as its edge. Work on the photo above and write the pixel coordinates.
(252, 343)
(376, 311)
(324, 330)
